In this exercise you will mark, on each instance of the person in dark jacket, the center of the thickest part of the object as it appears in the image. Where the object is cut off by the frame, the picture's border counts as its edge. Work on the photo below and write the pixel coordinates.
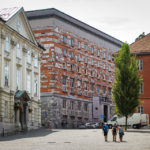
(105, 131)
(114, 132)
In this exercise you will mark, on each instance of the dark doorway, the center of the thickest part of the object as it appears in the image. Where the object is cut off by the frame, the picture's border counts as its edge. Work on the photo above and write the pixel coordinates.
(105, 113)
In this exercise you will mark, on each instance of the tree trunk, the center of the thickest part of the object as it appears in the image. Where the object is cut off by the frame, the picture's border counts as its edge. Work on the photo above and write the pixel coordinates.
(126, 123)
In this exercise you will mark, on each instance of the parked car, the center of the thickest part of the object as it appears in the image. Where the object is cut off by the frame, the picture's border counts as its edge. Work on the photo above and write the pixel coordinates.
(90, 125)
(97, 124)
(82, 126)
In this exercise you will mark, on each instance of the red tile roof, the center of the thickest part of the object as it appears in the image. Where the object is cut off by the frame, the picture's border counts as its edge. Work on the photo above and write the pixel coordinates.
(7, 13)
(141, 46)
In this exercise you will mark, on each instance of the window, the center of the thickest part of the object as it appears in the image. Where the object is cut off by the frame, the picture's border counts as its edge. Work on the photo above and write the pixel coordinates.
(35, 86)
(85, 71)
(85, 59)
(98, 53)
(98, 89)
(104, 77)
(71, 82)
(109, 91)
(6, 72)
(92, 86)
(18, 79)
(109, 57)
(78, 57)
(29, 56)
(79, 105)
(72, 105)
(140, 109)
(64, 80)
(18, 50)
(104, 89)
(64, 65)
(85, 47)
(36, 60)
(18, 25)
(79, 69)
(79, 44)
(79, 84)
(85, 86)
(109, 68)
(7, 44)
(85, 107)
(109, 78)
(72, 54)
(72, 42)
(72, 67)
(92, 50)
(92, 61)
(103, 55)
(141, 88)
(64, 103)
(28, 82)
(103, 66)
(64, 52)
(140, 64)
(65, 39)
(98, 64)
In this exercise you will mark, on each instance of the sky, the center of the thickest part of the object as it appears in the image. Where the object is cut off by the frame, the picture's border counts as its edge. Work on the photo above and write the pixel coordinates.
(122, 19)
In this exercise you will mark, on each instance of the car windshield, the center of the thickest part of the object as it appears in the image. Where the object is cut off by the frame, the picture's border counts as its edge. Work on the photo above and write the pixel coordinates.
(114, 119)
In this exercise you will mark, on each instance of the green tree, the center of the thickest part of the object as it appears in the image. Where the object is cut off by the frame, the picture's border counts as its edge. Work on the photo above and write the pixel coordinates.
(127, 83)
(140, 36)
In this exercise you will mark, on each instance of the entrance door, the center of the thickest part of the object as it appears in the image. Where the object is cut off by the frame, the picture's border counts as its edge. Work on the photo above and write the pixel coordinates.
(105, 113)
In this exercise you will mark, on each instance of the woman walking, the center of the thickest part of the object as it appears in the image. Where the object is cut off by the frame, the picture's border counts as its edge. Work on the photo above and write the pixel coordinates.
(114, 132)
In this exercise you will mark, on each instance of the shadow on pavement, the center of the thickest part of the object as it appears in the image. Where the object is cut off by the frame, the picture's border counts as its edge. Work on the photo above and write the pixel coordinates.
(33, 133)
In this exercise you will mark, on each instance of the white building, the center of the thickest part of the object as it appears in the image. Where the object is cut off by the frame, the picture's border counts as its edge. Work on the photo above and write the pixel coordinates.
(19, 73)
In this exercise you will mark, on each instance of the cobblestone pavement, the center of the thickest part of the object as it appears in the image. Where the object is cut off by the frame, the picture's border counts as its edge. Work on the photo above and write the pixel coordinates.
(77, 139)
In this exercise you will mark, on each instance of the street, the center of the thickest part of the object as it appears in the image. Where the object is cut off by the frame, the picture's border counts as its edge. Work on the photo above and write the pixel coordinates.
(75, 139)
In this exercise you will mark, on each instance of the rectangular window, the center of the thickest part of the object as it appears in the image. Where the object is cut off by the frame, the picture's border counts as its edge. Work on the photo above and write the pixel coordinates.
(64, 103)
(7, 44)
(85, 47)
(141, 88)
(92, 61)
(104, 77)
(103, 55)
(6, 73)
(109, 68)
(64, 52)
(72, 42)
(85, 59)
(72, 67)
(85, 86)
(109, 91)
(92, 50)
(29, 83)
(64, 80)
(79, 106)
(103, 66)
(29, 56)
(72, 55)
(98, 89)
(104, 89)
(92, 86)
(36, 60)
(18, 50)
(98, 53)
(85, 71)
(72, 105)
(85, 107)
(71, 82)
(98, 63)
(140, 64)
(35, 86)
(79, 44)
(18, 79)
(78, 57)
(109, 56)
(140, 109)
(79, 69)
(79, 84)
(65, 39)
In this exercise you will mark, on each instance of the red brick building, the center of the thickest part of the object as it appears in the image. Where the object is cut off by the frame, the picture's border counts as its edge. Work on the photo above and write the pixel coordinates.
(142, 49)
(76, 66)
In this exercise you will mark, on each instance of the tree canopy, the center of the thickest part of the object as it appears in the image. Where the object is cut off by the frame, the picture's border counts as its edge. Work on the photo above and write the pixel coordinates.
(127, 83)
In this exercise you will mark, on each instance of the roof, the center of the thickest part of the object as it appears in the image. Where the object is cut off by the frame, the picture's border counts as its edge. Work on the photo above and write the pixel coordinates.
(47, 13)
(7, 13)
(141, 46)
(22, 94)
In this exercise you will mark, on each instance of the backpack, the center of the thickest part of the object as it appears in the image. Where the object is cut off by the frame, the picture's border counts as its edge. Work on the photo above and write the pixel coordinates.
(114, 130)
(104, 129)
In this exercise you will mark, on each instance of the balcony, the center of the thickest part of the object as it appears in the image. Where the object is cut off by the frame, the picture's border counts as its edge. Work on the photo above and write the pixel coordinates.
(79, 92)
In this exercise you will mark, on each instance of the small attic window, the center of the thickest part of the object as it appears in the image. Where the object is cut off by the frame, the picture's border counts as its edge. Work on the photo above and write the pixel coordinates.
(18, 25)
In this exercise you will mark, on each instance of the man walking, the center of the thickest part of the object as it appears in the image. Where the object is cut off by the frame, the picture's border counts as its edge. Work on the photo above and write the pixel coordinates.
(105, 131)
